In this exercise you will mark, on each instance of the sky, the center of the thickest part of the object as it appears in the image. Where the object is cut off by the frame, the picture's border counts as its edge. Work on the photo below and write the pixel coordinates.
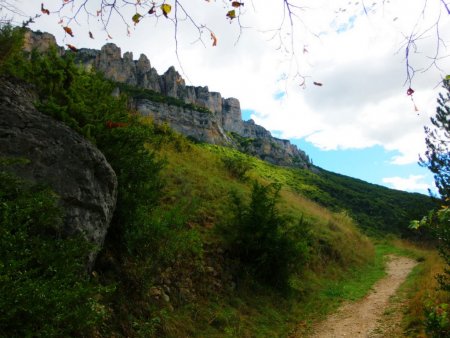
(357, 119)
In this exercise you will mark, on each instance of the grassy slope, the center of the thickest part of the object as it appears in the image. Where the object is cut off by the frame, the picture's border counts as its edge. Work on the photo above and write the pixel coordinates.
(343, 263)
(344, 266)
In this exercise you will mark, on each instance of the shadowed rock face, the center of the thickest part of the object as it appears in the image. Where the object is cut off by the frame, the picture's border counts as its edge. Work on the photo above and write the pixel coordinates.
(60, 158)
(225, 114)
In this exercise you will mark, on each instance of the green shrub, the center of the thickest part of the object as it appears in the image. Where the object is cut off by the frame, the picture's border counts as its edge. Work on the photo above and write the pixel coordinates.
(138, 174)
(67, 92)
(437, 321)
(11, 41)
(258, 237)
(45, 290)
(237, 165)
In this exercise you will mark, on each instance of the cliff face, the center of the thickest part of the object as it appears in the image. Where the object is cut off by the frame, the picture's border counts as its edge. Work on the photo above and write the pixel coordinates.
(217, 126)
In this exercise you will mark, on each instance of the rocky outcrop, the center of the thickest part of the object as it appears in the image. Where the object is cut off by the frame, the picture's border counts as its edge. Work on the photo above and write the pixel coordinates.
(40, 41)
(225, 113)
(198, 125)
(59, 157)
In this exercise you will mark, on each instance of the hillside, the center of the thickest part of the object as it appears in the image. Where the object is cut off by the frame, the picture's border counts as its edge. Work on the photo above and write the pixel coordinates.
(205, 240)
(207, 117)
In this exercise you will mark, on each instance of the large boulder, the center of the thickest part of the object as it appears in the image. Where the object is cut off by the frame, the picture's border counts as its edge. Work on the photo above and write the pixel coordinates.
(61, 158)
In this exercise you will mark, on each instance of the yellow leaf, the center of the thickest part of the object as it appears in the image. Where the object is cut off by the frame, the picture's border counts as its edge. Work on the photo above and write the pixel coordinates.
(231, 14)
(166, 8)
(136, 18)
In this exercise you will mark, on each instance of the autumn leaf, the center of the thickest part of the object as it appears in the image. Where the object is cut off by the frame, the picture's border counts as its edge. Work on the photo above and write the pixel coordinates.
(68, 30)
(318, 84)
(237, 4)
(72, 48)
(60, 21)
(99, 12)
(214, 38)
(231, 14)
(152, 10)
(447, 78)
(91, 35)
(136, 18)
(410, 91)
(166, 8)
(44, 10)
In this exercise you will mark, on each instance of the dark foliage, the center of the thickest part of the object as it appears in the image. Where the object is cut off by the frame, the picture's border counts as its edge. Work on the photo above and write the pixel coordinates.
(257, 237)
(437, 140)
(44, 287)
(378, 210)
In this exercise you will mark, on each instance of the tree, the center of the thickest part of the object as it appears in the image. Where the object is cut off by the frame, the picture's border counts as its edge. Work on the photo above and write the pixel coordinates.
(286, 27)
(438, 144)
(257, 237)
(438, 222)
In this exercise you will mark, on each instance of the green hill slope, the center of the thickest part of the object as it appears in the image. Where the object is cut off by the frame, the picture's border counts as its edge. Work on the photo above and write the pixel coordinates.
(205, 241)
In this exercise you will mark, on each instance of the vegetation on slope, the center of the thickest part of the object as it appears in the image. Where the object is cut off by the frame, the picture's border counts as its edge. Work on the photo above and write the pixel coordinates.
(179, 259)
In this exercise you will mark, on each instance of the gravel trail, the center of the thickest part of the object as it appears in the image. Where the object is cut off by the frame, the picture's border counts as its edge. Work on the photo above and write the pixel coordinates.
(364, 317)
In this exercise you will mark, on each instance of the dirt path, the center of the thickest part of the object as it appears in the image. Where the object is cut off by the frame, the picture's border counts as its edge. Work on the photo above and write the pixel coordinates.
(360, 319)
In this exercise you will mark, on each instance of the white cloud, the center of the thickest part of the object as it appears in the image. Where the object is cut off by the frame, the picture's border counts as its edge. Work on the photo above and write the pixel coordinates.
(411, 183)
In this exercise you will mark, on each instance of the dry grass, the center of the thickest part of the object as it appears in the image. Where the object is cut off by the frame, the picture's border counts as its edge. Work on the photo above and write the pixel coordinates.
(421, 288)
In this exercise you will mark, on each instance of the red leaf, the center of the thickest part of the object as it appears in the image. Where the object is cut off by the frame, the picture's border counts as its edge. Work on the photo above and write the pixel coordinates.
(44, 10)
(68, 30)
(72, 48)
(111, 124)
(410, 91)
(214, 38)
(237, 4)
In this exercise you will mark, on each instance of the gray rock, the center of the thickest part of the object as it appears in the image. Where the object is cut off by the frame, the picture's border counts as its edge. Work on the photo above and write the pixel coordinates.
(40, 41)
(232, 116)
(225, 114)
(199, 125)
(74, 168)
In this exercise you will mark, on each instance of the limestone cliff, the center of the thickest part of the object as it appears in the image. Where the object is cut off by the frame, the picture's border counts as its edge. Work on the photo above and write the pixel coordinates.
(208, 117)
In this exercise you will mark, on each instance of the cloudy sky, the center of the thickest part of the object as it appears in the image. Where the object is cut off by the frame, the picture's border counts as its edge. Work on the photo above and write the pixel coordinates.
(359, 122)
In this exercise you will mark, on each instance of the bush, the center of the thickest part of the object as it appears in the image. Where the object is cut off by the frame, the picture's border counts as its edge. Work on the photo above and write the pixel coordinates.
(11, 42)
(437, 321)
(257, 237)
(67, 92)
(45, 290)
(237, 165)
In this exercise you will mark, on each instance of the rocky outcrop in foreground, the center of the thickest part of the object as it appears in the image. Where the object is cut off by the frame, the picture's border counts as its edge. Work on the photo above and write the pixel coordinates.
(59, 157)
